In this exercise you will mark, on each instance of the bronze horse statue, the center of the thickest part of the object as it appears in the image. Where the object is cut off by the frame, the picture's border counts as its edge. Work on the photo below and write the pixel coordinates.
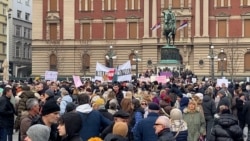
(169, 26)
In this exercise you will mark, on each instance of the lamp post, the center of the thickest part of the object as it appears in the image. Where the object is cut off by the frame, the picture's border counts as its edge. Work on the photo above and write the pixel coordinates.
(221, 59)
(111, 56)
(212, 56)
(136, 59)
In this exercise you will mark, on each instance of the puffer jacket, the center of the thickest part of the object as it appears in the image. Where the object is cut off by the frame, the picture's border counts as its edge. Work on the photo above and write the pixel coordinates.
(227, 129)
(22, 106)
(209, 108)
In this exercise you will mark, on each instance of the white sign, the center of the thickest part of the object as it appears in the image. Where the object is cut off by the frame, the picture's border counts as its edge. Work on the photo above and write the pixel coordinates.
(51, 75)
(124, 72)
(194, 80)
(101, 72)
(248, 79)
(221, 81)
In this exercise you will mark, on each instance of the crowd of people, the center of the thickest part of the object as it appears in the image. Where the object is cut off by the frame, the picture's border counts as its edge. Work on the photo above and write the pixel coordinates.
(125, 111)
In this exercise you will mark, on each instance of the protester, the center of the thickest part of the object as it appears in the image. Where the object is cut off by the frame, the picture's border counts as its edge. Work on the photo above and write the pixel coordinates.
(223, 99)
(69, 127)
(7, 112)
(38, 133)
(119, 133)
(66, 98)
(32, 106)
(162, 129)
(144, 130)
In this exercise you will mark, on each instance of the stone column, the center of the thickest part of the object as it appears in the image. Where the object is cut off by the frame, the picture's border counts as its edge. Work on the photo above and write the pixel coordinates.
(197, 18)
(205, 18)
(146, 18)
(154, 17)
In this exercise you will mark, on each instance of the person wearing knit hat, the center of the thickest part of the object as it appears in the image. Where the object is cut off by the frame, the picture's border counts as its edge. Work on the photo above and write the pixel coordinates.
(50, 107)
(69, 126)
(38, 132)
(178, 125)
(119, 133)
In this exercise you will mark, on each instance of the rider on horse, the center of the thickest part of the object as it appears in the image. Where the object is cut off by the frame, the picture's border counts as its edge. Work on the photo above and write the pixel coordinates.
(169, 25)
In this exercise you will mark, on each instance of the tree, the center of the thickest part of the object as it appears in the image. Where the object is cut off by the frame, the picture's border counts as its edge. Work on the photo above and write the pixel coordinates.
(233, 55)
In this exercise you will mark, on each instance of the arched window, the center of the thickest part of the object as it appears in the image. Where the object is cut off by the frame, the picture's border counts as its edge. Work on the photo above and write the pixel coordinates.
(53, 62)
(222, 62)
(133, 63)
(85, 62)
(246, 61)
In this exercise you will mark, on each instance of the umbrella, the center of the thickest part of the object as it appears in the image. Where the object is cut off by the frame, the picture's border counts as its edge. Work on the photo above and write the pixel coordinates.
(5, 66)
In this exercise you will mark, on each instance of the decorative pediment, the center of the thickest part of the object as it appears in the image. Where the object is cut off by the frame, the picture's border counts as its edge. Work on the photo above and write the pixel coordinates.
(53, 17)
(222, 14)
(108, 18)
(133, 17)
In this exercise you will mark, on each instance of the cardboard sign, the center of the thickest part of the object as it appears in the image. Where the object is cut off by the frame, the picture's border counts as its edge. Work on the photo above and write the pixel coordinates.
(51, 75)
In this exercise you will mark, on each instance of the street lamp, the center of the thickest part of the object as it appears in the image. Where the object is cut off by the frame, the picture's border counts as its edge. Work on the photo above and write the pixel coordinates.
(110, 56)
(212, 56)
(136, 59)
(221, 59)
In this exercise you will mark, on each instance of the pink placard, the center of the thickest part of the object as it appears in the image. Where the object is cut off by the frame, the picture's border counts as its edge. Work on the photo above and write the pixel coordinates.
(161, 79)
(77, 81)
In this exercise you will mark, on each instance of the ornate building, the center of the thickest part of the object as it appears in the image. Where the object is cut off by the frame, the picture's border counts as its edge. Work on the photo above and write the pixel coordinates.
(71, 36)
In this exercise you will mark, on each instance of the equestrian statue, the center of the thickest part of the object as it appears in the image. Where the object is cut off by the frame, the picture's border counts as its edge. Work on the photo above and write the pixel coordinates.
(169, 26)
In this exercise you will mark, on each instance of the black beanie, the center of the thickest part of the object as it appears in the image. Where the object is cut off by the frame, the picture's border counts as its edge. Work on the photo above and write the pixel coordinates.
(50, 107)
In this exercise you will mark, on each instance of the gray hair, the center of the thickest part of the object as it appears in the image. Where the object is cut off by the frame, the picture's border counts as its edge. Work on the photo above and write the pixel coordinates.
(164, 121)
(30, 103)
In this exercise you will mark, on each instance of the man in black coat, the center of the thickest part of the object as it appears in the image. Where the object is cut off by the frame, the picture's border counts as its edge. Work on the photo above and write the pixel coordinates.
(224, 100)
(7, 112)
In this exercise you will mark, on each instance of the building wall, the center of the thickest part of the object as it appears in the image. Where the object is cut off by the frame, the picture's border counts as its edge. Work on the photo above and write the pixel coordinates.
(3, 30)
(203, 17)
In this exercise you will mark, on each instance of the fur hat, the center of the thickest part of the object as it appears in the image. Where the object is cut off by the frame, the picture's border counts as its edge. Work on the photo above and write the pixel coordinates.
(175, 114)
(38, 132)
(120, 128)
(50, 107)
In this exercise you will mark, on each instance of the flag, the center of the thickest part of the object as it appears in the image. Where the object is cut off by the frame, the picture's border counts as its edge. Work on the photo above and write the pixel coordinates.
(184, 24)
(156, 26)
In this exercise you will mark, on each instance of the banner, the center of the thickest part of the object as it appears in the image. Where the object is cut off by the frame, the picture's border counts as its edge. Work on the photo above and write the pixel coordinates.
(51, 75)
(124, 72)
(103, 73)
(167, 74)
(77, 81)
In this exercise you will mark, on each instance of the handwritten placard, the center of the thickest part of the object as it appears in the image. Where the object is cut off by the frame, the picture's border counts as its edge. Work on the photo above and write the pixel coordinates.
(51, 75)
(77, 81)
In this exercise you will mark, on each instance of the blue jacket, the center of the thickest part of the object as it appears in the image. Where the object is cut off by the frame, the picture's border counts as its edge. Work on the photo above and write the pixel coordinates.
(92, 122)
(145, 129)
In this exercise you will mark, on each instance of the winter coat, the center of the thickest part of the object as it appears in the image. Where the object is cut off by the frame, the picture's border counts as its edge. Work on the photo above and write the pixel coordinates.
(195, 122)
(137, 116)
(209, 108)
(246, 112)
(65, 100)
(112, 137)
(93, 122)
(7, 112)
(26, 121)
(106, 114)
(73, 124)
(183, 103)
(165, 135)
(22, 106)
(226, 129)
(181, 127)
(145, 129)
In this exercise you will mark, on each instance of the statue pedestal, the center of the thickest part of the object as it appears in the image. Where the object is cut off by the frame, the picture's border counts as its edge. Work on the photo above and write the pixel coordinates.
(170, 55)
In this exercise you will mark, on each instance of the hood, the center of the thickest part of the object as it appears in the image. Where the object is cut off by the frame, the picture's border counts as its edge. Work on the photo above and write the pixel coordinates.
(112, 137)
(206, 98)
(184, 101)
(72, 123)
(28, 94)
(227, 120)
(85, 108)
(67, 98)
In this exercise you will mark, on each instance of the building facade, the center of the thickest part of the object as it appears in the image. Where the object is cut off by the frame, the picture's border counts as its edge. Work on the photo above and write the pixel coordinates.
(20, 39)
(3, 30)
(71, 36)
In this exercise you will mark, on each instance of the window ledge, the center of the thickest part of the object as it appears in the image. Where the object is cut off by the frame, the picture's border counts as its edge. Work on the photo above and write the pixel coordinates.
(109, 10)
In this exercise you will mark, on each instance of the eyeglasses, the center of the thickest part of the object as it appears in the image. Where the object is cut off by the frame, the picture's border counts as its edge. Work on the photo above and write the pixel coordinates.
(143, 103)
(157, 124)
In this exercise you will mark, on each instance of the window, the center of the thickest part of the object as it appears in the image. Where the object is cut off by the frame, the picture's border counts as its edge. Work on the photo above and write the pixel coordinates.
(85, 5)
(176, 3)
(133, 4)
(18, 30)
(109, 4)
(246, 61)
(177, 34)
(27, 2)
(53, 5)
(247, 28)
(24, 50)
(25, 32)
(29, 33)
(222, 28)
(186, 3)
(19, 14)
(132, 30)
(85, 62)
(245, 2)
(27, 16)
(18, 45)
(4, 28)
(222, 65)
(53, 31)
(85, 31)
(4, 9)
(166, 3)
(53, 62)
(4, 48)
(109, 31)
(222, 3)
(29, 52)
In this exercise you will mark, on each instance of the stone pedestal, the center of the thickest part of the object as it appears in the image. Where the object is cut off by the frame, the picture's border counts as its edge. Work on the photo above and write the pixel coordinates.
(170, 56)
